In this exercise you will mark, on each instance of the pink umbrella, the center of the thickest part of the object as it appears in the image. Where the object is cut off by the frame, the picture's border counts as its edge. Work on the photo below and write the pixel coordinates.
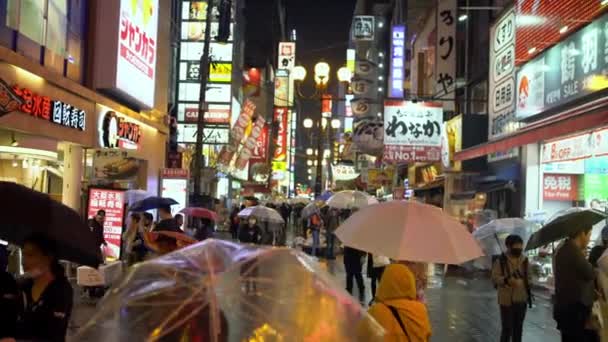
(409, 230)
(200, 212)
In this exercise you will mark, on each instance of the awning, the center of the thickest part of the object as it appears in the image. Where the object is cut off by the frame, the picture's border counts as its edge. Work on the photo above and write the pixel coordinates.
(587, 116)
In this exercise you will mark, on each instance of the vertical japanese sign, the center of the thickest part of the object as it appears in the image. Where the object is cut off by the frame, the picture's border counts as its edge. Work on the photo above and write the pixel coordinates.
(558, 187)
(287, 55)
(281, 88)
(237, 133)
(445, 77)
(397, 70)
(137, 47)
(501, 112)
(250, 144)
(412, 131)
(112, 201)
(280, 152)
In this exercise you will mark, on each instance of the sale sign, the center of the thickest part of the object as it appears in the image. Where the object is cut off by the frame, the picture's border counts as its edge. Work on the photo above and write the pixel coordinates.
(112, 201)
(557, 187)
(280, 116)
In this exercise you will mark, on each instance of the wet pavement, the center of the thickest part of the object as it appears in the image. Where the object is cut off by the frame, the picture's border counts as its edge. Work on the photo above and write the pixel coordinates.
(462, 308)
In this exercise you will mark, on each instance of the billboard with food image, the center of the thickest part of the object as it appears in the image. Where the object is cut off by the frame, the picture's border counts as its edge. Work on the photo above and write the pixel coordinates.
(116, 165)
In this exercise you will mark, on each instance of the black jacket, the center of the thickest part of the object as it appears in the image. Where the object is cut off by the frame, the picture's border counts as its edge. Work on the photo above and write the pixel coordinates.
(249, 234)
(353, 260)
(9, 305)
(97, 229)
(46, 319)
(167, 225)
(574, 278)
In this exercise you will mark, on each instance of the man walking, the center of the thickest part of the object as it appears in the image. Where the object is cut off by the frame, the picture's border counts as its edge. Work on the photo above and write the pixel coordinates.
(574, 289)
(96, 225)
(511, 277)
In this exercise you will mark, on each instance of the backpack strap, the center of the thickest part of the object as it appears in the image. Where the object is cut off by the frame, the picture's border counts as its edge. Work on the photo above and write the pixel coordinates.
(398, 319)
(502, 259)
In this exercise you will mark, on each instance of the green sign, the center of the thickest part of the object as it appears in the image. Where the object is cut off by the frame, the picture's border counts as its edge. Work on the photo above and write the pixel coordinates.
(595, 186)
(568, 71)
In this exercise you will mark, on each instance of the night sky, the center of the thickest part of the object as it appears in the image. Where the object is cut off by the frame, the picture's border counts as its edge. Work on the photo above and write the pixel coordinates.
(322, 28)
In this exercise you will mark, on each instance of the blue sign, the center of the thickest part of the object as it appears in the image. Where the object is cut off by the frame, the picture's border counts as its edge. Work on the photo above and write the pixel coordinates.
(596, 165)
(397, 70)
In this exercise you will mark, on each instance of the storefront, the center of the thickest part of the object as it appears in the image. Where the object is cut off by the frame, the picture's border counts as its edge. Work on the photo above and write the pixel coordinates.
(44, 129)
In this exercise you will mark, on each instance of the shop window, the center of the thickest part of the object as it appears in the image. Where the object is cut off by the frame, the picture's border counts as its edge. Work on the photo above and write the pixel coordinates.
(57, 25)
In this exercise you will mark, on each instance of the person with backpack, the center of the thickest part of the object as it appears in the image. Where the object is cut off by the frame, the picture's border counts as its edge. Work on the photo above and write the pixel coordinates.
(511, 278)
(396, 309)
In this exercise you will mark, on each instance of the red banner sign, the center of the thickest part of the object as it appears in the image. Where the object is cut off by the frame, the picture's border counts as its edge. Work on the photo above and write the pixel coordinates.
(396, 153)
(558, 187)
(280, 116)
(112, 201)
(260, 151)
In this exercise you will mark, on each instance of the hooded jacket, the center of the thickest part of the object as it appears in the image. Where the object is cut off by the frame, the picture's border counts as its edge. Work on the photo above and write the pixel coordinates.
(398, 289)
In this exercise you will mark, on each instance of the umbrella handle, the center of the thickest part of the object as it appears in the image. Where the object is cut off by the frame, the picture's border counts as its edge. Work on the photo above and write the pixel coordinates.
(499, 244)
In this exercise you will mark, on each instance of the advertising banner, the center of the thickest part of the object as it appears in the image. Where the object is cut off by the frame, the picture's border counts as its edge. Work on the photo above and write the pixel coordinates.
(218, 114)
(137, 48)
(412, 131)
(501, 83)
(451, 142)
(280, 116)
(237, 133)
(112, 201)
(250, 143)
(114, 165)
(571, 69)
(445, 49)
(558, 187)
(174, 184)
(595, 191)
(377, 177)
(572, 148)
(287, 55)
(343, 172)
(116, 130)
(212, 135)
(281, 88)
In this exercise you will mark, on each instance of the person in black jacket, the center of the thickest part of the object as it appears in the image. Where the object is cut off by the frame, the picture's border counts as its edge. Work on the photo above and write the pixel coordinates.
(574, 289)
(251, 233)
(353, 265)
(167, 221)
(9, 301)
(598, 250)
(96, 224)
(47, 295)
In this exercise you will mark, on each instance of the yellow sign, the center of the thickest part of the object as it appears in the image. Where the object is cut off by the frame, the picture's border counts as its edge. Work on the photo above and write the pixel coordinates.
(377, 177)
(220, 72)
(279, 166)
(453, 143)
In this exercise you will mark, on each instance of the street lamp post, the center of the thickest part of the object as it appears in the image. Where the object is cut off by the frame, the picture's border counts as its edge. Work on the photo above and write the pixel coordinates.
(321, 77)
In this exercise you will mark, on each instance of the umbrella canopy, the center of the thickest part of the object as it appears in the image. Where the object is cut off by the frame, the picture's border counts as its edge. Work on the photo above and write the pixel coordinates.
(492, 235)
(262, 213)
(409, 231)
(153, 202)
(310, 209)
(200, 212)
(349, 199)
(181, 239)
(198, 294)
(324, 196)
(562, 226)
(28, 212)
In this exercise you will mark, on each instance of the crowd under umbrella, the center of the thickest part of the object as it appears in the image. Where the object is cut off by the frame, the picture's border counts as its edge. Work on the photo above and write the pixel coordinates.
(349, 199)
(200, 213)
(29, 212)
(262, 213)
(310, 209)
(409, 231)
(198, 294)
(564, 225)
(152, 202)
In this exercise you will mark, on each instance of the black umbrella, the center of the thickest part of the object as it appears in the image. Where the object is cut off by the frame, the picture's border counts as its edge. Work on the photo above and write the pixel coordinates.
(565, 225)
(153, 202)
(24, 212)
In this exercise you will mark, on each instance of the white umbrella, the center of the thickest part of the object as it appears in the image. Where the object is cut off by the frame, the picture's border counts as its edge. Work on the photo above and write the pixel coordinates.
(349, 199)
(410, 231)
(310, 210)
(262, 213)
(492, 235)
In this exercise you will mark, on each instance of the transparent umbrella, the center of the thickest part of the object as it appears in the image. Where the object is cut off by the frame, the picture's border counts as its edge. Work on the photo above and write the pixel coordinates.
(263, 214)
(222, 291)
(491, 236)
(349, 199)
